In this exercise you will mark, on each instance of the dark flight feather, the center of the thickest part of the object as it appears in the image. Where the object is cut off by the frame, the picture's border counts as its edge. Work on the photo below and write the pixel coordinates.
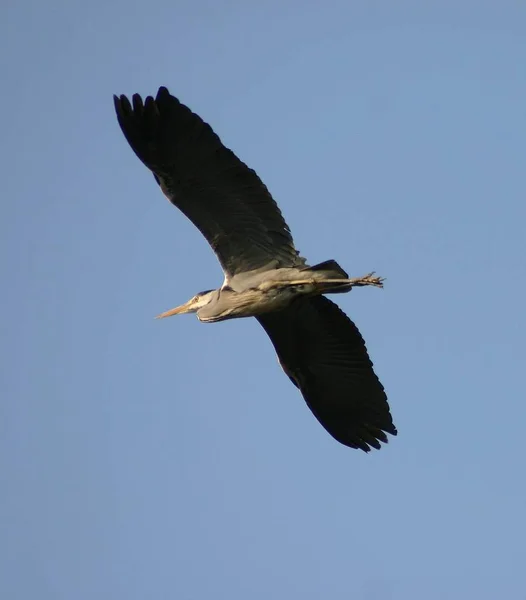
(322, 351)
(224, 198)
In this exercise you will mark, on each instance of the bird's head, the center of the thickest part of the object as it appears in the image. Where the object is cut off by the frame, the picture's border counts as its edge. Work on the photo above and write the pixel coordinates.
(193, 305)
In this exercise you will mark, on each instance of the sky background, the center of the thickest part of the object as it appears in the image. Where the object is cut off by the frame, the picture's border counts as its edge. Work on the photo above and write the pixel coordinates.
(169, 459)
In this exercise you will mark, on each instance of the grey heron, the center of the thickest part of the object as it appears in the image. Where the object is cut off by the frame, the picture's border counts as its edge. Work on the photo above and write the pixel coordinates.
(318, 346)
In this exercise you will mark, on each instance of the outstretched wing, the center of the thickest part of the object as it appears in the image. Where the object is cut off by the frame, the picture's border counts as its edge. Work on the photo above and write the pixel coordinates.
(222, 197)
(323, 353)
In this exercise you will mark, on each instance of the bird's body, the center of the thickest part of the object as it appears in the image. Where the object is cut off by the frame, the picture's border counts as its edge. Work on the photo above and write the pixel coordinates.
(226, 303)
(318, 346)
(264, 291)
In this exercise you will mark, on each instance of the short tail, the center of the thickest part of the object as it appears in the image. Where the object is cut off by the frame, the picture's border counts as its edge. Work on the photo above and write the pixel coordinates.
(330, 268)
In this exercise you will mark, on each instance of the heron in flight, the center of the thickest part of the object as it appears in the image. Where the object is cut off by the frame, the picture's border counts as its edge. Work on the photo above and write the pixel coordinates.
(318, 346)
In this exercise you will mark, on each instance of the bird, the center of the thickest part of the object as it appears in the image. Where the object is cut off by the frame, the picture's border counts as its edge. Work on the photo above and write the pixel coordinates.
(318, 346)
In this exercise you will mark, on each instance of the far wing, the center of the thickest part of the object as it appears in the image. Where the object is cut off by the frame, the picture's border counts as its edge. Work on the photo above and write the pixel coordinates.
(222, 197)
(323, 353)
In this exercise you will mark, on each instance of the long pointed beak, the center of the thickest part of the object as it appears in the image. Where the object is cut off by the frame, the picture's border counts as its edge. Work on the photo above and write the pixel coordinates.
(178, 310)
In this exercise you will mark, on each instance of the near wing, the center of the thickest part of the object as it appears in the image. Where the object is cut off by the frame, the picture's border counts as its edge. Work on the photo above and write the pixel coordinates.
(323, 353)
(222, 197)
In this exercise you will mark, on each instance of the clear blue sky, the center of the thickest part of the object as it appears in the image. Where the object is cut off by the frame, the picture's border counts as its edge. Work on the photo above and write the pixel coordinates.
(170, 459)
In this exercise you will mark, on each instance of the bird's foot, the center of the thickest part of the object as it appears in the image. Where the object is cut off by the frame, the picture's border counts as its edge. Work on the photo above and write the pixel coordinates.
(320, 284)
(368, 279)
